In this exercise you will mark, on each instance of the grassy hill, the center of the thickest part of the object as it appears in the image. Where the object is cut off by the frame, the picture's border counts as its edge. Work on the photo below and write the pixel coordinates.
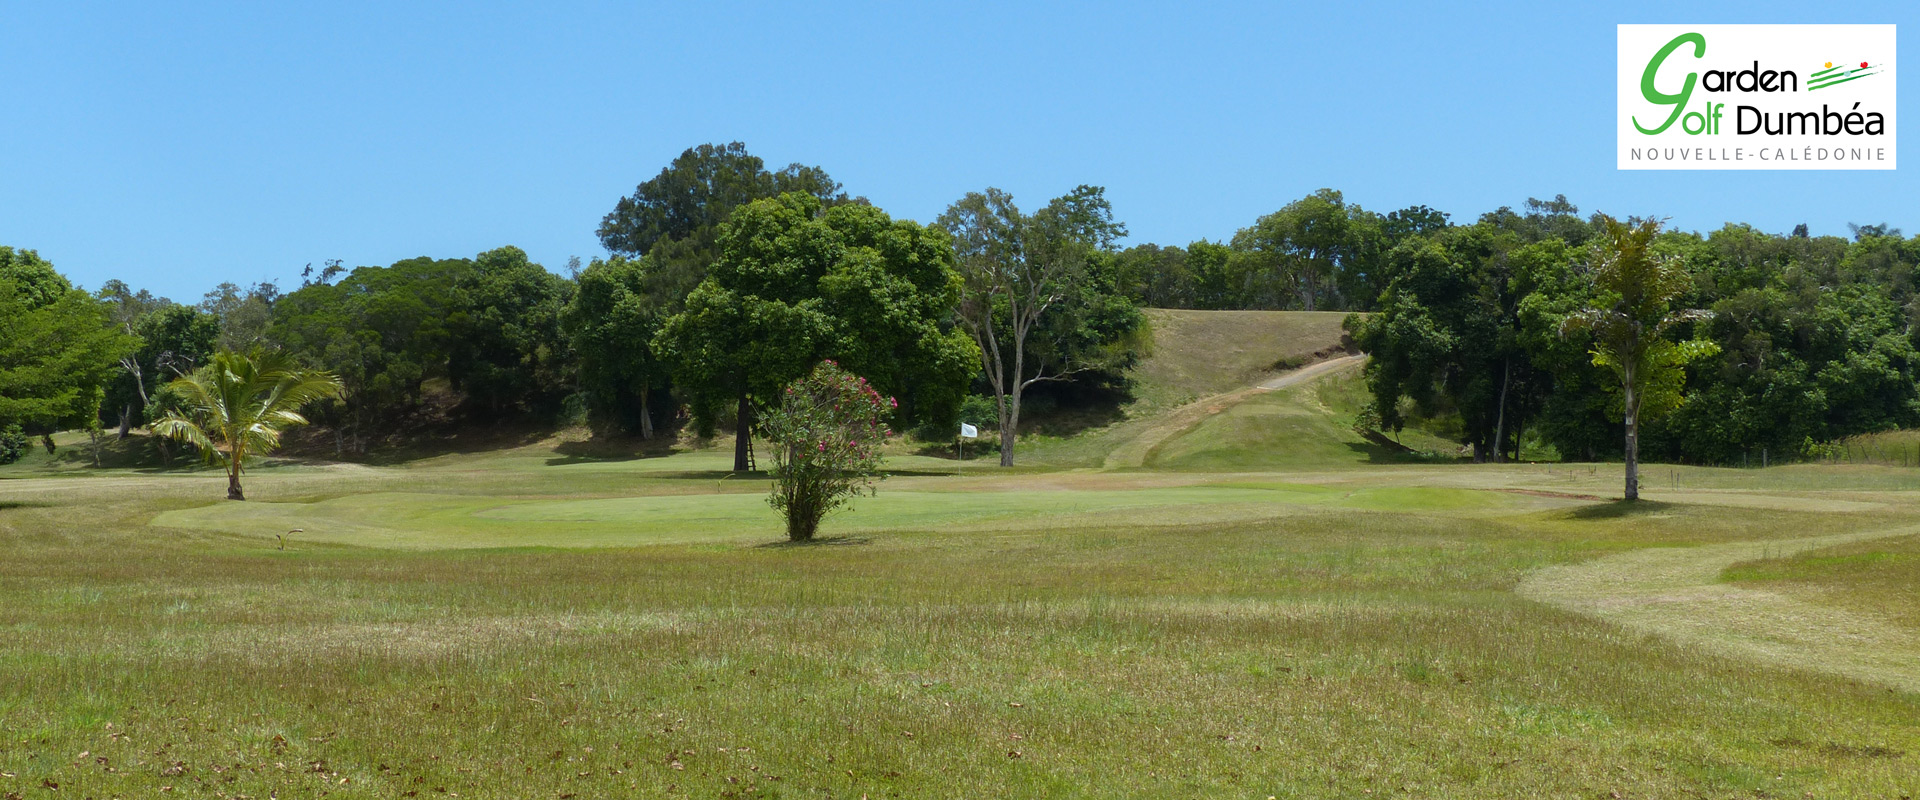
(1201, 353)
(1307, 427)
(1198, 402)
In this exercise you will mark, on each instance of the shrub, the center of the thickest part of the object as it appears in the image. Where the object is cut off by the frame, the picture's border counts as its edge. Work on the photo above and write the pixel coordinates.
(974, 410)
(13, 444)
(826, 434)
(980, 412)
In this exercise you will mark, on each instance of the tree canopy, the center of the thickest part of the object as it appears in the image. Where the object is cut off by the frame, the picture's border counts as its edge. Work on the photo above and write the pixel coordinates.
(725, 280)
(58, 346)
(1039, 294)
(798, 282)
(616, 311)
(675, 217)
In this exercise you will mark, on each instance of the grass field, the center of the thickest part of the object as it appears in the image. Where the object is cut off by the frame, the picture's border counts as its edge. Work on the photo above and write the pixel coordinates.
(1879, 578)
(1248, 615)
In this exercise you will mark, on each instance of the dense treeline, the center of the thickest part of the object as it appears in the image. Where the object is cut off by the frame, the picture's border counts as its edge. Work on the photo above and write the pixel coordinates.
(1809, 339)
(725, 280)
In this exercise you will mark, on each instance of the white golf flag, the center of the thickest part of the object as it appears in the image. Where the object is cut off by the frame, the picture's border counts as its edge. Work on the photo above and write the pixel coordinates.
(968, 431)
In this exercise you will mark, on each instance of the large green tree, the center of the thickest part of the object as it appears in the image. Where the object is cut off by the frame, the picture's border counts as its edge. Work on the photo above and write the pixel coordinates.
(1217, 285)
(1448, 333)
(798, 281)
(506, 353)
(244, 313)
(174, 340)
(1300, 247)
(1033, 299)
(1154, 277)
(1318, 252)
(616, 310)
(58, 346)
(675, 216)
(383, 331)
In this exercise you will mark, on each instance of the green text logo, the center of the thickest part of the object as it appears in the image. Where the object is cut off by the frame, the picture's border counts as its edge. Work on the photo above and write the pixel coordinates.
(1657, 97)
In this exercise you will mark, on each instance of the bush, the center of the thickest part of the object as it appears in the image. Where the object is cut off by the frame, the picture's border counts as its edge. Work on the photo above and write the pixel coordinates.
(574, 411)
(826, 435)
(980, 412)
(977, 411)
(13, 444)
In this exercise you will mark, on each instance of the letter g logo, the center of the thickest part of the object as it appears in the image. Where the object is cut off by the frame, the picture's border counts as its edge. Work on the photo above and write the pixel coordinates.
(1657, 97)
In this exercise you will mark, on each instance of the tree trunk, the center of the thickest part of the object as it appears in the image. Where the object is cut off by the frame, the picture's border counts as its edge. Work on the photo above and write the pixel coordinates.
(1009, 426)
(646, 416)
(126, 420)
(1500, 419)
(803, 521)
(1633, 436)
(743, 438)
(233, 484)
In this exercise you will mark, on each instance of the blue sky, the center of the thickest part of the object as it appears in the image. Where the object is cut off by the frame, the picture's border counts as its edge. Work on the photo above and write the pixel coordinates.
(176, 148)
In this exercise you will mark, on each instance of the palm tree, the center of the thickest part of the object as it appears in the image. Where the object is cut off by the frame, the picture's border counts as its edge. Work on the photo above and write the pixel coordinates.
(238, 405)
(1629, 316)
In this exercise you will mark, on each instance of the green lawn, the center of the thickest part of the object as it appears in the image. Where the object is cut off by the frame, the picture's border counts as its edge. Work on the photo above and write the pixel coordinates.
(1280, 632)
(1878, 578)
(1262, 603)
(424, 520)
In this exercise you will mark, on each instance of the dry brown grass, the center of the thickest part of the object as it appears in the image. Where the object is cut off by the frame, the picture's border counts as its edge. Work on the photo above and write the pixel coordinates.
(1200, 353)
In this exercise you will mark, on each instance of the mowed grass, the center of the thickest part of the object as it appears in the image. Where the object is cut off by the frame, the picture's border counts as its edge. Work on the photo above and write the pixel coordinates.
(1877, 578)
(1309, 426)
(1194, 355)
(422, 520)
(1288, 633)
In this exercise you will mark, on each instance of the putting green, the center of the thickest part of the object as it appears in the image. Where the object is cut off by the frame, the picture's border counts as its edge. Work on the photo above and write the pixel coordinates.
(433, 521)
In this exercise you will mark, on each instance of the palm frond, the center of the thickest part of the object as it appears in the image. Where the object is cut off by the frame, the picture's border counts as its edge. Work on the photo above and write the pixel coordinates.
(181, 429)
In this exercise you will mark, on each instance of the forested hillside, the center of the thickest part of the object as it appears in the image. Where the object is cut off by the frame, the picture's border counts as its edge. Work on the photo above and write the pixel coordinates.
(724, 280)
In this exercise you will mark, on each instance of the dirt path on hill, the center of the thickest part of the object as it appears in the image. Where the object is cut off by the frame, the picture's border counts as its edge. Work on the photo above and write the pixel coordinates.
(1675, 592)
(1134, 452)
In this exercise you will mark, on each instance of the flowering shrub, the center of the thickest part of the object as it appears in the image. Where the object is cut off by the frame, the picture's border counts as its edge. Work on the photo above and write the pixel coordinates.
(826, 434)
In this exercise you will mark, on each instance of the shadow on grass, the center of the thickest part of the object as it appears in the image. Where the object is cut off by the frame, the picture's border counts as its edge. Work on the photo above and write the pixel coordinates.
(9, 504)
(977, 449)
(926, 473)
(1378, 449)
(1063, 410)
(761, 474)
(711, 475)
(820, 541)
(602, 450)
(1619, 509)
(469, 441)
